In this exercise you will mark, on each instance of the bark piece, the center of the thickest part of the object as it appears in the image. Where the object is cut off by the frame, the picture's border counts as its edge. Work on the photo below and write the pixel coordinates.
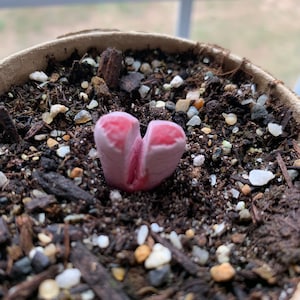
(8, 125)
(95, 275)
(60, 186)
(110, 66)
(25, 225)
(4, 232)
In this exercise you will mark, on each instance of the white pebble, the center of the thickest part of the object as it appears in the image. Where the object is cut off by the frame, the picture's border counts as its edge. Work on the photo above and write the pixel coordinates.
(136, 65)
(160, 104)
(83, 96)
(40, 137)
(115, 195)
(200, 255)
(235, 193)
(198, 160)
(226, 147)
(194, 121)
(88, 295)
(3, 180)
(103, 241)
(176, 82)
(275, 129)
(142, 234)
(93, 153)
(82, 117)
(57, 133)
(156, 228)
(84, 84)
(144, 90)
(68, 278)
(213, 179)
(63, 151)
(240, 205)
(175, 240)
(159, 256)
(230, 118)
(193, 95)
(260, 177)
(145, 68)
(262, 100)
(167, 86)
(90, 61)
(39, 76)
(57, 109)
(245, 215)
(92, 104)
(219, 229)
(223, 253)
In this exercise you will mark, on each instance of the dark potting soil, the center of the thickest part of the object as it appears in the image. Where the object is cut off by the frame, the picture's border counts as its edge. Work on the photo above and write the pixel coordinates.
(56, 198)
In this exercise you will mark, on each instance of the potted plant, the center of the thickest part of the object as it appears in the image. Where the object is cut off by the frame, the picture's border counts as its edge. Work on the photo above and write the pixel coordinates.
(219, 218)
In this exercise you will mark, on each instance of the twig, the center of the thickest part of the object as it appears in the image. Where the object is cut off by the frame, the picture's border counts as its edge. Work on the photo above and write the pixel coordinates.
(284, 170)
(296, 147)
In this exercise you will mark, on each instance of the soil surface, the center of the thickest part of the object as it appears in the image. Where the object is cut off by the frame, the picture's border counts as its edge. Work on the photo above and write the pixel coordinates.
(55, 202)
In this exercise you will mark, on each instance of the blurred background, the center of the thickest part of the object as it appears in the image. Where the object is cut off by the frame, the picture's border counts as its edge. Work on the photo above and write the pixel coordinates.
(265, 31)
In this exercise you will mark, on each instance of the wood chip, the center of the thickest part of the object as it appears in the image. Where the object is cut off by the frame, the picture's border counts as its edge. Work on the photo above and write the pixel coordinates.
(95, 275)
(60, 186)
(25, 226)
(4, 232)
(9, 126)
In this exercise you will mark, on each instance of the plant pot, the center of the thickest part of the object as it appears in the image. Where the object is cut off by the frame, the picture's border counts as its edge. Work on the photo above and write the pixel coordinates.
(219, 230)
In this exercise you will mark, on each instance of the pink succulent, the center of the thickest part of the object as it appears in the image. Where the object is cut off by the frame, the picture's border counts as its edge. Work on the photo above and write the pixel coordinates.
(133, 163)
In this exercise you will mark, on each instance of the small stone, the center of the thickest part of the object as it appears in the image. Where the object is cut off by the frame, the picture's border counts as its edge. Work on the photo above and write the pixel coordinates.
(198, 160)
(90, 61)
(206, 130)
(240, 206)
(213, 179)
(222, 273)
(293, 174)
(83, 96)
(170, 106)
(57, 133)
(44, 238)
(40, 262)
(262, 99)
(245, 215)
(175, 240)
(141, 253)
(50, 251)
(76, 172)
(159, 256)
(156, 63)
(3, 180)
(223, 253)
(226, 147)
(52, 143)
(159, 276)
(115, 195)
(260, 177)
(82, 117)
(176, 82)
(258, 112)
(40, 137)
(182, 105)
(48, 289)
(39, 76)
(146, 68)
(230, 87)
(156, 228)
(118, 273)
(103, 241)
(129, 60)
(235, 193)
(192, 111)
(63, 151)
(275, 129)
(57, 109)
(160, 104)
(144, 90)
(296, 163)
(230, 118)
(199, 103)
(92, 104)
(219, 229)
(200, 255)
(246, 189)
(193, 95)
(190, 233)
(68, 278)
(238, 238)
(142, 234)
(136, 65)
(21, 267)
(84, 85)
(194, 121)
